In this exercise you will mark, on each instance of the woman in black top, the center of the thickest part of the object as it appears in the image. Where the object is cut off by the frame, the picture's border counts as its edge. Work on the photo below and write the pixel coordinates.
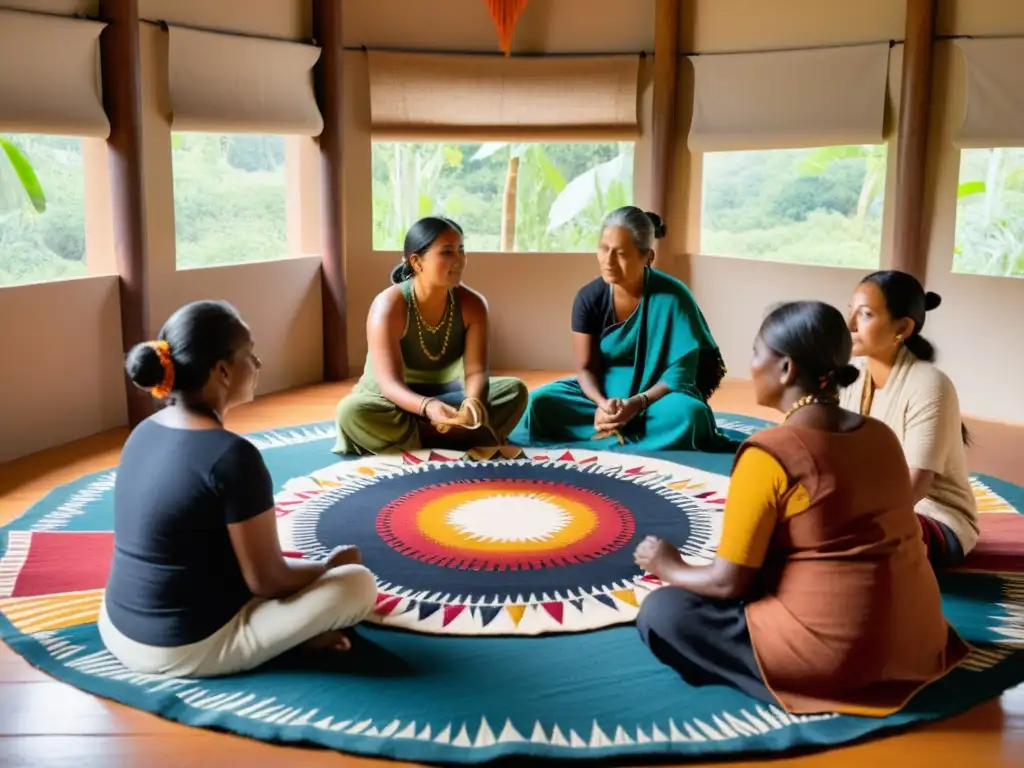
(198, 579)
(646, 360)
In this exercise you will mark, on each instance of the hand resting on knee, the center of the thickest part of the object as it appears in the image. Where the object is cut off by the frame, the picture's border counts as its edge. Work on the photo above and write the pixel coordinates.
(267, 572)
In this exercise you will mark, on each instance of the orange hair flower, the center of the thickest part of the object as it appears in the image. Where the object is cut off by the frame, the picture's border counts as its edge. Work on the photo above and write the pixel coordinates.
(163, 351)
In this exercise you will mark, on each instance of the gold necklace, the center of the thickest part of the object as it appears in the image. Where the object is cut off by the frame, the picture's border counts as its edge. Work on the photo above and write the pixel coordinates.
(449, 304)
(446, 319)
(810, 400)
(444, 344)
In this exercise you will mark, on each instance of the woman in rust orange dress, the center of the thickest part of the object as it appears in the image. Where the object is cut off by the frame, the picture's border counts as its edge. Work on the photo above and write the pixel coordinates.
(820, 597)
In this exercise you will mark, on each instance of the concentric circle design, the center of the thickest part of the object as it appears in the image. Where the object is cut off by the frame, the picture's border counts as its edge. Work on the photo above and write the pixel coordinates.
(504, 524)
(523, 544)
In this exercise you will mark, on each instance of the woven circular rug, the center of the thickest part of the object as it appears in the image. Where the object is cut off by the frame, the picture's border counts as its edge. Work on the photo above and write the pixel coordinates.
(441, 694)
(511, 542)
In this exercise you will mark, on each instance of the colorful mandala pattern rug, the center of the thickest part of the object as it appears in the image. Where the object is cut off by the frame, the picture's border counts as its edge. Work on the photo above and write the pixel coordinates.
(519, 542)
(463, 686)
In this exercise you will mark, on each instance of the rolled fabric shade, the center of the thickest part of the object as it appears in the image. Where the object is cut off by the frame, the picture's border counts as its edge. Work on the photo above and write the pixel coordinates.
(789, 99)
(50, 75)
(993, 93)
(235, 84)
(492, 97)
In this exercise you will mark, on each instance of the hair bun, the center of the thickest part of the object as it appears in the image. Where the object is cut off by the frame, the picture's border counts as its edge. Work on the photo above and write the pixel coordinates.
(846, 375)
(400, 273)
(659, 225)
(143, 366)
(931, 301)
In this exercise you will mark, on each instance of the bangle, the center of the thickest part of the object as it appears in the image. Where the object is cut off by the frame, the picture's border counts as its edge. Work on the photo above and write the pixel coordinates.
(423, 406)
(645, 402)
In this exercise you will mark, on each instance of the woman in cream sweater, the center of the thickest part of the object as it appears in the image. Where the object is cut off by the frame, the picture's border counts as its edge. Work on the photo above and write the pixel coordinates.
(900, 386)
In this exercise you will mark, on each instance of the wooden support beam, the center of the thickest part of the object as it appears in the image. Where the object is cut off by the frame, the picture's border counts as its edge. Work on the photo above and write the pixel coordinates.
(122, 100)
(666, 77)
(329, 75)
(663, 167)
(909, 242)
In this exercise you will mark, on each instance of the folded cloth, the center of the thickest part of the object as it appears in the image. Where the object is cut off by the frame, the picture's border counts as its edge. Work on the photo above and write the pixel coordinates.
(472, 415)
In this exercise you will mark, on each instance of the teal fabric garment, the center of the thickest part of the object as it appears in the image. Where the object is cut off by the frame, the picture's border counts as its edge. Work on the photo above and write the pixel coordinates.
(662, 341)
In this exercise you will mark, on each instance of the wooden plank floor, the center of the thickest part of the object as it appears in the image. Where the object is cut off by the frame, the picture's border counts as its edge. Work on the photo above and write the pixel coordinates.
(46, 723)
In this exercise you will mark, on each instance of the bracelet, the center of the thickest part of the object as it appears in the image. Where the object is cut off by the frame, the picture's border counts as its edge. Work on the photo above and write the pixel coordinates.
(645, 402)
(423, 406)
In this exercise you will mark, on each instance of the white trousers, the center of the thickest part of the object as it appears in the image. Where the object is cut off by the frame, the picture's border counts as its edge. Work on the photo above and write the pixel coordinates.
(261, 631)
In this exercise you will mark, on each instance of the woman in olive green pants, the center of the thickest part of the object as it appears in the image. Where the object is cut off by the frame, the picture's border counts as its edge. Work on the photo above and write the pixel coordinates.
(426, 382)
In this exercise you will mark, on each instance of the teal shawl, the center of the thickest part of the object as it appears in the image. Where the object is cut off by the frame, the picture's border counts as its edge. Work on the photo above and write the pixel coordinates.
(665, 340)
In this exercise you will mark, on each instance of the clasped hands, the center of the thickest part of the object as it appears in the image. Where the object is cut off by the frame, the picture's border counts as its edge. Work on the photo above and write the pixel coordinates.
(615, 413)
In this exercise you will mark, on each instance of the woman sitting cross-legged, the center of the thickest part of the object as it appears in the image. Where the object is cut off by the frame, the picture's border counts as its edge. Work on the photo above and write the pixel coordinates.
(900, 385)
(426, 381)
(647, 362)
(820, 597)
(198, 585)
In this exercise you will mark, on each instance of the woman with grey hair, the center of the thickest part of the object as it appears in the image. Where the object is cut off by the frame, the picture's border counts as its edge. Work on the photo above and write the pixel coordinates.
(646, 360)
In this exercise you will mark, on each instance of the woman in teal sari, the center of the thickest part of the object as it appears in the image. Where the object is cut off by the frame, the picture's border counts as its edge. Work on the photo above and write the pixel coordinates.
(647, 362)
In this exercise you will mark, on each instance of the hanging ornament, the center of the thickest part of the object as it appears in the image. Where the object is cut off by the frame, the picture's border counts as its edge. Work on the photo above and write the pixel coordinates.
(505, 14)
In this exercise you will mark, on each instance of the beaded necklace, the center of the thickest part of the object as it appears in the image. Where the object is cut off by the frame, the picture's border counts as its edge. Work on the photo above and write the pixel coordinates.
(446, 321)
(810, 400)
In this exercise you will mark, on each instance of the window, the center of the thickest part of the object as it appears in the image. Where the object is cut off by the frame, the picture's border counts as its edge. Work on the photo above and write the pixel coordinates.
(42, 234)
(230, 195)
(806, 206)
(990, 213)
(560, 191)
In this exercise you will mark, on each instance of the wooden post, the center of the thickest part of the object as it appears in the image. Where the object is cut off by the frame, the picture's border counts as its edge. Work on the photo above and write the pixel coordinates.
(122, 100)
(666, 77)
(912, 139)
(329, 74)
(663, 123)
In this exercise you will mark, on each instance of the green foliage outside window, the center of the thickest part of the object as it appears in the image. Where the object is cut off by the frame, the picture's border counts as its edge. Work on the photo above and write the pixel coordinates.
(562, 191)
(42, 209)
(990, 213)
(230, 199)
(809, 206)
(806, 206)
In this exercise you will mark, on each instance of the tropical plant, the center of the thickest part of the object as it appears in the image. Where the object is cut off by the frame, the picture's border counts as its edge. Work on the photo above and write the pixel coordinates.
(501, 192)
(990, 216)
(25, 174)
(539, 179)
(412, 171)
(604, 186)
(874, 157)
(584, 199)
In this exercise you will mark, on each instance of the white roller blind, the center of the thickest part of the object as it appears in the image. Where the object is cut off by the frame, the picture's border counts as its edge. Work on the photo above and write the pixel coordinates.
(993, 93)
(789, 99)
(503, 97)
(237, 84)
(50, 75)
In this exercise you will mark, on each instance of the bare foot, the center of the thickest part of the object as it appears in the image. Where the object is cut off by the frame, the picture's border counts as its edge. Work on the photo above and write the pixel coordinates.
(334, 640)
